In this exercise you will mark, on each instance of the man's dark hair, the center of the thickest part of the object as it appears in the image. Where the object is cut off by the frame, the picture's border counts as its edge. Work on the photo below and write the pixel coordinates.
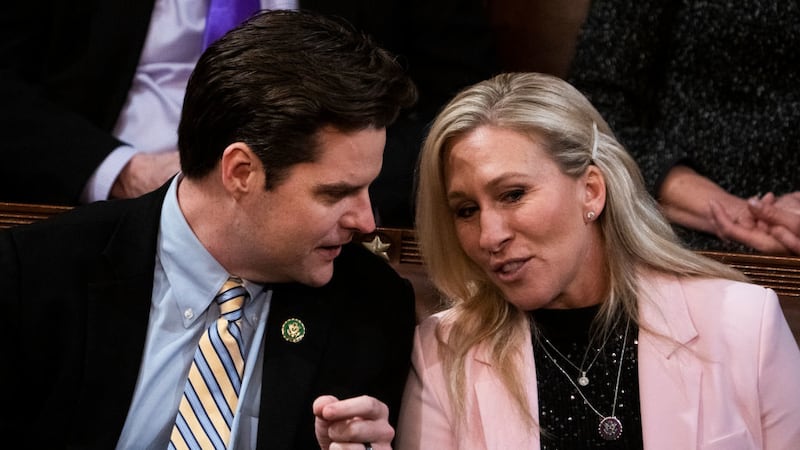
(275, 80)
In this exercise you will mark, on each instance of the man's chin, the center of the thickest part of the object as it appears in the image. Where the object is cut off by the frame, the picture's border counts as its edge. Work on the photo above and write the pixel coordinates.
(319, 276)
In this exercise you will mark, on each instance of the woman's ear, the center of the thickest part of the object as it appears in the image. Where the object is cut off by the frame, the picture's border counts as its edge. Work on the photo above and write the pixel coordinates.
(241, 169)
(594, 190)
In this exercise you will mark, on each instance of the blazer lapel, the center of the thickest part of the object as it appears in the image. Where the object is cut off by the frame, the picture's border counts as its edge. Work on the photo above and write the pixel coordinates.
(502, 430)
(669, 375)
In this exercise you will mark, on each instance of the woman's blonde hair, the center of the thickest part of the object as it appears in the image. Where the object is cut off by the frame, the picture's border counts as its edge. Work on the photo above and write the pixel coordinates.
(635, 233)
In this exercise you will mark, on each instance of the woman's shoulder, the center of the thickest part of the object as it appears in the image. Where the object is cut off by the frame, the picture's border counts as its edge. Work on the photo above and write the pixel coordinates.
(435, 332)
(438, 326)
(708, 297)
(435, 328)
(718, 316)
(427, 341)
(695, 287)
(725, 287)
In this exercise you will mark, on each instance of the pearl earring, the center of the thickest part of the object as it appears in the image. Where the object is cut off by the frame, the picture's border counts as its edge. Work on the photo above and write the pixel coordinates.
(590, 216)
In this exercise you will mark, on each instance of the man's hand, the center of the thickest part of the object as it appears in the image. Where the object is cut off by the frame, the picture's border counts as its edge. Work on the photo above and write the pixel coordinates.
(352, 424)
(145, 172)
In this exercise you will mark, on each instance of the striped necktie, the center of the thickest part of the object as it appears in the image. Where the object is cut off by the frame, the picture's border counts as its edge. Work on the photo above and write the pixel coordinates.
(212, 389)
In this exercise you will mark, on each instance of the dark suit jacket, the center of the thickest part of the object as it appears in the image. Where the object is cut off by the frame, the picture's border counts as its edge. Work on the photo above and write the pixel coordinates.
(66, 68)
(76, 292)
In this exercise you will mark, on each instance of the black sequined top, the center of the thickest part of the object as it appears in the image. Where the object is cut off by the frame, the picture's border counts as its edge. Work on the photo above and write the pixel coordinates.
(566, 420)
(715, 84)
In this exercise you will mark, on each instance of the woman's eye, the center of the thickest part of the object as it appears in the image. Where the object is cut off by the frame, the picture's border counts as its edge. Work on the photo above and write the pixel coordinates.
(513, 195)
(465, 212)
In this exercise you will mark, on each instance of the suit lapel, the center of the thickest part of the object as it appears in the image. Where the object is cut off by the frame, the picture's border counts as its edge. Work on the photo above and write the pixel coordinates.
(118, 308)
(290, 368)
(669, 375)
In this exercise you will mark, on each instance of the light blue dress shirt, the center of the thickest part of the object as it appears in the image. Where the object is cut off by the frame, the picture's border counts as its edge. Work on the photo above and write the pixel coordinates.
(187, 278)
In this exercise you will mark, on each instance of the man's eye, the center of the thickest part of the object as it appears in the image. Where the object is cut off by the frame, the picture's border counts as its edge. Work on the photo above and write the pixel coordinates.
(337, 194)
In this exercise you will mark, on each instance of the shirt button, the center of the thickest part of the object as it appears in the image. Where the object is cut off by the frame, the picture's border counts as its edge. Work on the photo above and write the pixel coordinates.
(188, 313)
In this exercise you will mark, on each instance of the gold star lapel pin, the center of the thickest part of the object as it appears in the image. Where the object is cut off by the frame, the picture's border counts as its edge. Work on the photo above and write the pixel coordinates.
(378, 247)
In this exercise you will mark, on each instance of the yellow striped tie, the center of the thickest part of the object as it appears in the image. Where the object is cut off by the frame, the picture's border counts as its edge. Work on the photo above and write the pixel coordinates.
(212, 389)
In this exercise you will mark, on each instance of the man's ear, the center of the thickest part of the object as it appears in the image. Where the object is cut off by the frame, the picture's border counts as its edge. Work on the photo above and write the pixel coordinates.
(594, 190)
(241, 169)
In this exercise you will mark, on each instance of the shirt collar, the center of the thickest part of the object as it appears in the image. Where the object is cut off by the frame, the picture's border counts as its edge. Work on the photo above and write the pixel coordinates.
(193, 274)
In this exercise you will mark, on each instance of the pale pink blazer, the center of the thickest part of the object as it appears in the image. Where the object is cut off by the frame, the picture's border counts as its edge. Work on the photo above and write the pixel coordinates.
(727, 378)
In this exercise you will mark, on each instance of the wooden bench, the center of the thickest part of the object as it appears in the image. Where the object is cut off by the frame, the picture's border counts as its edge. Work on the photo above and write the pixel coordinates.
(399, 247)
(13, 214)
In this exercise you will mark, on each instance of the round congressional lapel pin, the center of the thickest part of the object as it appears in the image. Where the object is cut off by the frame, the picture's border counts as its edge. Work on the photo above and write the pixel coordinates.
(293, 330)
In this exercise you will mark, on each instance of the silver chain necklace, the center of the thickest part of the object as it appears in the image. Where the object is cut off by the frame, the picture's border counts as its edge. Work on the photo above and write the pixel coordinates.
(583, 378)
(610, 427)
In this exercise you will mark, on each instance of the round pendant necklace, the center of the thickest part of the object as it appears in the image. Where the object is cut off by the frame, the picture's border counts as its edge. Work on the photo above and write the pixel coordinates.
(610, 427)
(582, 379)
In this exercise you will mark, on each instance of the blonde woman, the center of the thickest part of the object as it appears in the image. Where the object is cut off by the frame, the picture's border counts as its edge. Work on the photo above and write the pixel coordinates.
(576, 319)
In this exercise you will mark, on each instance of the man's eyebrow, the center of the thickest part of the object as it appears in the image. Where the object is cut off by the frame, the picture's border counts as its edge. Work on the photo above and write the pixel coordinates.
(336, 189)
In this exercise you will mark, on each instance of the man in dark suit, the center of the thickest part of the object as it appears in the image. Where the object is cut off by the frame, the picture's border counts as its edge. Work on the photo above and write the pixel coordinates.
(283, 130)
(90, 98)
